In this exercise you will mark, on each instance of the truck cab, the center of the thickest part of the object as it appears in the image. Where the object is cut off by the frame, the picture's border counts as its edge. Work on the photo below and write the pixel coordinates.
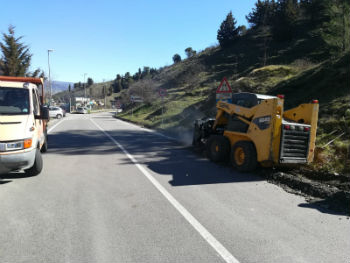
(23, 119)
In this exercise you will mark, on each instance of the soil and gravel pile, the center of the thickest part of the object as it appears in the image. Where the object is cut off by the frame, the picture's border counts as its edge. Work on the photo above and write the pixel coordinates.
(329, 191)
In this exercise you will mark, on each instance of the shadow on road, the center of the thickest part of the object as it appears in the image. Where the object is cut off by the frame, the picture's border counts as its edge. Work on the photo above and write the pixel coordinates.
(8, 178)
(79, 142)
(4, 181)
(331, 205)
(15, 175)
(157, 153)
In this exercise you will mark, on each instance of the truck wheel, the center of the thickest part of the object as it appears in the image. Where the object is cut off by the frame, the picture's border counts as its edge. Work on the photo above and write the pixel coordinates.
(37, 166)
(218, 148)
(45, 146)
(243, 156)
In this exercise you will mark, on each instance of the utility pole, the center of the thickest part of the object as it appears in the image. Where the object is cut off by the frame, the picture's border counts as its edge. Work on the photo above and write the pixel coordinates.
(104, 93)
(84, 89)
(48, 62)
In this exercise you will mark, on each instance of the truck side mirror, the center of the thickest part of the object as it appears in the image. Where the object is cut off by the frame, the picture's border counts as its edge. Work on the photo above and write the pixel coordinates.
(44, 114)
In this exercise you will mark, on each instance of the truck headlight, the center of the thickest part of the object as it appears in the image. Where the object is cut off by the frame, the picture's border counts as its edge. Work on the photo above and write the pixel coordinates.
(17, 145)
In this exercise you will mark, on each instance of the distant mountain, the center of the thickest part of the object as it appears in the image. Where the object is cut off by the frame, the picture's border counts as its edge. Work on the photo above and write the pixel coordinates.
(58, 86)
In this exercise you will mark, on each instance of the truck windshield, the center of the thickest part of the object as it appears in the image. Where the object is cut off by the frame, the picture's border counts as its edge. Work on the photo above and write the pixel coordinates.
(14, 101)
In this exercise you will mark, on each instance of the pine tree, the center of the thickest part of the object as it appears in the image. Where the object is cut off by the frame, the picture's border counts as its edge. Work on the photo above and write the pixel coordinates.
(228, 31)
(117, 85)
(176, 58)
(262, 14)
(335, 30)
(286, 15)
(90, 81)
(15, 60)
(190, 52)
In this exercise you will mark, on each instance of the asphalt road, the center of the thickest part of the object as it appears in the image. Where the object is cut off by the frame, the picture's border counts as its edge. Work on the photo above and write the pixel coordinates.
(113, 192)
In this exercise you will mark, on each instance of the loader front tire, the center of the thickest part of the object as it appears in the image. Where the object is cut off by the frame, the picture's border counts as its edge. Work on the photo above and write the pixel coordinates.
(243, 156)
(218, 148)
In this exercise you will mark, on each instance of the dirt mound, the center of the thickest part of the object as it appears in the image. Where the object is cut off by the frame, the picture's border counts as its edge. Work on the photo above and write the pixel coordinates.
(324, 190)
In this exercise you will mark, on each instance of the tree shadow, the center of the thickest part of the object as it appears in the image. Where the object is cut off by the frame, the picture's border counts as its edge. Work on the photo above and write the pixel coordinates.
(168, 158)
(79, 142)
(159, 154)
(336, 204)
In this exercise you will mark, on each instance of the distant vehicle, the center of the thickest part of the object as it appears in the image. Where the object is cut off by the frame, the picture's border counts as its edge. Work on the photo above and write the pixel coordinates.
(64, 110)
(82, 110)
(56, 112)
(23, 133)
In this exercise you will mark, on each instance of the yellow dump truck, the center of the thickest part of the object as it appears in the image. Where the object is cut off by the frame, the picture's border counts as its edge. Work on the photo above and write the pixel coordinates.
(23, 120)
(255, 129)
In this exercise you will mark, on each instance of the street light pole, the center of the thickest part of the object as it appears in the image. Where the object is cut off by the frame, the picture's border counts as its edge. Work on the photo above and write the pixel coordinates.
(104, 92)
(84, 88)
(48, 61)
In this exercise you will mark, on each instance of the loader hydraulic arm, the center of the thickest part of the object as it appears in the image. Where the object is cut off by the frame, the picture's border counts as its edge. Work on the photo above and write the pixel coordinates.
(244, 114)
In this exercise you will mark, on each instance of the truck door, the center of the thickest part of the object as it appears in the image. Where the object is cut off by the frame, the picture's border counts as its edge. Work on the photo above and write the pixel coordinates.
(38, 122)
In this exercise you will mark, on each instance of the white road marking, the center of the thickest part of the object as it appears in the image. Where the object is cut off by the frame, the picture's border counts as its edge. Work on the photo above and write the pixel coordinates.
(219, 248)
(53, 127)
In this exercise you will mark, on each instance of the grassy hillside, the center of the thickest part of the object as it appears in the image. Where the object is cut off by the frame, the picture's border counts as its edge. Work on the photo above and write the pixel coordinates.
(191, 86)
(298, 69)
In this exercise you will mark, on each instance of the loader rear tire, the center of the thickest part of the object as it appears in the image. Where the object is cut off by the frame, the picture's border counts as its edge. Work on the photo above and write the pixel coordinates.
(243, 156)
(218, 148)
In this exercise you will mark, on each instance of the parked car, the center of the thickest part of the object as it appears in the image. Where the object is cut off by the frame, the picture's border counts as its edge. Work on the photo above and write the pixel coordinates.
(56, 112)
(82, 110)
(64, 110)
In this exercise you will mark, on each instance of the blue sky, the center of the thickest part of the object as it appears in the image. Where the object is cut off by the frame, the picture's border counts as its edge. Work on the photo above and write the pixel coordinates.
(104, 38)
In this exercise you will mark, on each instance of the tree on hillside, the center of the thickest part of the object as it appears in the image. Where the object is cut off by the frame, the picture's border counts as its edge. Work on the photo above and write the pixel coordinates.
(242, 30)
(128, 79)
(139, 73)
(77, 85)
(38, 73)
(153, 71)
(145, 72)
(176, 58)
(335, 30)
(190, 52)
(90, 82)
(228, 31)
(285, 17)
(117, 84)
(15, 60)
(262, 14)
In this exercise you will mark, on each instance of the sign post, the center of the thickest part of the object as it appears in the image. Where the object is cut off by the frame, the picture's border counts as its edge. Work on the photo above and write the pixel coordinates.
(224, 91)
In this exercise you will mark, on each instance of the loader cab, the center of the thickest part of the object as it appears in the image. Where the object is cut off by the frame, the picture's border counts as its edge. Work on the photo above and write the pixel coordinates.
(249, 100)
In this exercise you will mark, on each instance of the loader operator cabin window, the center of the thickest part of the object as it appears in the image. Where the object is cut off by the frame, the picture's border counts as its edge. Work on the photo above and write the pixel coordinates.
(14, 101)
